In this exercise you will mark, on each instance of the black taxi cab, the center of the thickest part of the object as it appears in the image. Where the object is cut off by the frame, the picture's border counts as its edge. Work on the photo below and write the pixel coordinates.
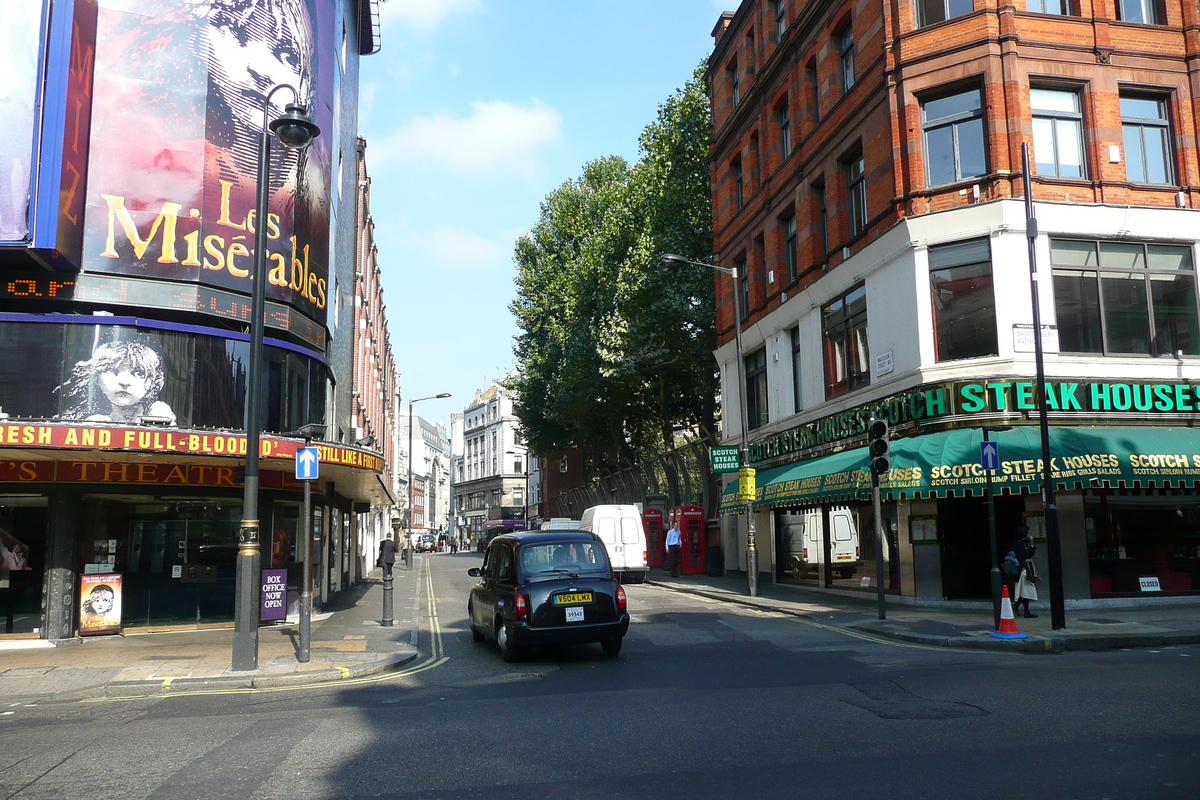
(547, 588)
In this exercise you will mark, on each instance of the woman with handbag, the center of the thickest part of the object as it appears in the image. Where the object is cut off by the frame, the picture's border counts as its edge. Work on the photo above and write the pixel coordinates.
(1025, 589)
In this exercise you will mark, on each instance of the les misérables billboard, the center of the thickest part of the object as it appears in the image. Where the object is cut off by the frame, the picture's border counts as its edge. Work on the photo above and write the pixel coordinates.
(20, 34)
(176, 117)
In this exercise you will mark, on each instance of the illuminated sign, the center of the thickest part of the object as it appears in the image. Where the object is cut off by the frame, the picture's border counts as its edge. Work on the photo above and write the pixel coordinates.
(94, 437)
(1086, 399)
(111, 290)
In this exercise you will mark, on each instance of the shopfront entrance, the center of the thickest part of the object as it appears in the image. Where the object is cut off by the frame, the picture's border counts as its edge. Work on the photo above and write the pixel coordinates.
(962, 527)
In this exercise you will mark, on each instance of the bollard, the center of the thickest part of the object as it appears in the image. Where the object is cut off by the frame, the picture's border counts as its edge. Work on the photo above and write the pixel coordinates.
(408, 557)
(387, 601)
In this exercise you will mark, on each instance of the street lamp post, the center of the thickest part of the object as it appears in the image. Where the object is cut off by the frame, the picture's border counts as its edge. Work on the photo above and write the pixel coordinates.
(1058, 617)
(751, 545)
(410, 454)
(991, 512)
(295, 131)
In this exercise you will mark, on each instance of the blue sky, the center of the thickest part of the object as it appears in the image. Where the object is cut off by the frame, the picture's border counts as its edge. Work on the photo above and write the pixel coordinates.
(473, 111)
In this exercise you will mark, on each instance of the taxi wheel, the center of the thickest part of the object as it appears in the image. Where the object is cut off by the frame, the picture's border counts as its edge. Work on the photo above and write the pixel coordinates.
(612, 647)
(508, 651)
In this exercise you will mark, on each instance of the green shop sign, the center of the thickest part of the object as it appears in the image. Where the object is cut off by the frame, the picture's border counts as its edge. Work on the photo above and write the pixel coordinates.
(1078, 398)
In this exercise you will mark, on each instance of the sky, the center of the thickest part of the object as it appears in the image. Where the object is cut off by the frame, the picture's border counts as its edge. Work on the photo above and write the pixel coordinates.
(474, 111)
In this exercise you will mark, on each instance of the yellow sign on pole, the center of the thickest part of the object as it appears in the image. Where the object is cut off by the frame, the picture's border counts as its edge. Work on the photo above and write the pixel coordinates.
(747, 490)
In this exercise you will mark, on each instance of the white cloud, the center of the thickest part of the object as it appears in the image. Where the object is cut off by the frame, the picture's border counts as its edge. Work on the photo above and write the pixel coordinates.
(422, 14)
(497, 136)
(445, 246)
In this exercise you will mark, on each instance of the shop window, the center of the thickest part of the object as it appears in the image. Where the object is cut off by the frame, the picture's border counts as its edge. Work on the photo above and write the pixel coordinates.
(735, 171)
(785, 128)
(1125, 298)
(1148, 12)
(743, 287)
(1057, 133)
(1147, 136)
(790, 251)
(822, 209)
(797, 394)
(844, 326)
(756, 389)
(954, 141)
(845, 42)
(964, 306)
(931, 11)
(856, 193)
(814, 90)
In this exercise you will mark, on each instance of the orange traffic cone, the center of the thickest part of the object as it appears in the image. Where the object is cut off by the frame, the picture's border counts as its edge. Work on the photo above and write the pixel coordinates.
(1008, 625)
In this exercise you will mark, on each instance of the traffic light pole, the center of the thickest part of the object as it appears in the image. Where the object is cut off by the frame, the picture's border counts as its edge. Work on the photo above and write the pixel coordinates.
(879, 461)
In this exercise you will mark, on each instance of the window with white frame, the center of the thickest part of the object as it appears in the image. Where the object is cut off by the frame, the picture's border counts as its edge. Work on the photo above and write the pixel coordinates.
(797, 395)
(1146, 131)
(1125, 298)
(964, 303)
(1148, 12)
(844, 326)
(955, 147)
(1057, 133)
(756, 389)
(846, 57)
(931, 11)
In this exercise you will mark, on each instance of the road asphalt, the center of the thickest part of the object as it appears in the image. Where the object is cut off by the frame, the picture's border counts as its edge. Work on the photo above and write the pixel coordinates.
(349, 641)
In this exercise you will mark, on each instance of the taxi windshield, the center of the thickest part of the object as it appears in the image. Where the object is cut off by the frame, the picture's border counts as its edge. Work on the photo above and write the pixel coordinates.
(559, 559)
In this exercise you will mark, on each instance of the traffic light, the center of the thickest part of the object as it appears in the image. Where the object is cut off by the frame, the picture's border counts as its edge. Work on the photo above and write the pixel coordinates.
(879, 454)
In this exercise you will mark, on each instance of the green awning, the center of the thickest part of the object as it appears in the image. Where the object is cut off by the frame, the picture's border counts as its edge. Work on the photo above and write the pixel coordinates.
(947, 464)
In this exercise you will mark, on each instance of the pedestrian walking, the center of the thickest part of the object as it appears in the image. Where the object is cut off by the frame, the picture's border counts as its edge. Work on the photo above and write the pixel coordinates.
(1025, 589)
(674, 545)
(387, 555)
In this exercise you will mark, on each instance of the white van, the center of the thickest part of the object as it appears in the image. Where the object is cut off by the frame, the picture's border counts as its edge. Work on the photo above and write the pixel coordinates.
(561, 524)
(806, 552)
(620, 528)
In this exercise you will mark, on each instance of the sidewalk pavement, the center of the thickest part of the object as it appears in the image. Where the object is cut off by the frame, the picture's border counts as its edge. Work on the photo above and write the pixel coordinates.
(347, 641)
(1138, 625)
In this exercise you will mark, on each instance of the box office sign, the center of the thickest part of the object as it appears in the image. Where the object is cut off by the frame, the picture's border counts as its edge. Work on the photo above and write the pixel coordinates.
(99, 603)
(1085, 399)
(273, 599)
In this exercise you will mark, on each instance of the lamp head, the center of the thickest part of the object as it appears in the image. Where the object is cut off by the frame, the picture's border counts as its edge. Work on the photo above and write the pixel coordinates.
(442, 396)
(671, 258)
(295, 128)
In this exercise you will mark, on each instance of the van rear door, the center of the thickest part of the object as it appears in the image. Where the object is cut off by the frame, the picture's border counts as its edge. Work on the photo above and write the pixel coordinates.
(606, 529)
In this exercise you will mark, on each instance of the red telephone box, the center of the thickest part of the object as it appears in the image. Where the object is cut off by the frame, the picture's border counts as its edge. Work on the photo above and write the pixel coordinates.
(691, 529)
(652, 522)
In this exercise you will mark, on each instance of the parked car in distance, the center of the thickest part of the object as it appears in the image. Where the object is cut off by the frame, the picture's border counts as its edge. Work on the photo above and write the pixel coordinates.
(547, 588)
(427, 543)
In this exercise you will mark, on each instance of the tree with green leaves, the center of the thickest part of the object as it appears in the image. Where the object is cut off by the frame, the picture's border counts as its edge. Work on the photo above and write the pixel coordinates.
(615, 349)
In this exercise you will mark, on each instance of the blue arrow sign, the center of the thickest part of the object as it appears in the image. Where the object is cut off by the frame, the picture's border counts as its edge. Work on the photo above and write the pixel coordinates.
(989, 455)
(308, 464)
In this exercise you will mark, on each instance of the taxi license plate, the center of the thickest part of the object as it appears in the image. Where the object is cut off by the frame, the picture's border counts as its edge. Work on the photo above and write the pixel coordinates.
(574, 614)
(843, 558)
(572, 599)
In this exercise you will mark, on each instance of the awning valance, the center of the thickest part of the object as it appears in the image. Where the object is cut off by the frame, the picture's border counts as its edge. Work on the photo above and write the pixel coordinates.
(947, 464)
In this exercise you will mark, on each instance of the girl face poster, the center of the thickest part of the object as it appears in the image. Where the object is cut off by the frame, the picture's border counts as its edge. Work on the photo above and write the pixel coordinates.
(178, 113)
(99, 604)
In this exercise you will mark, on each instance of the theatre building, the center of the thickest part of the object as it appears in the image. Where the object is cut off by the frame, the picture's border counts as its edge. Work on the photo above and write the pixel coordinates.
(127, 228)
(868, 187)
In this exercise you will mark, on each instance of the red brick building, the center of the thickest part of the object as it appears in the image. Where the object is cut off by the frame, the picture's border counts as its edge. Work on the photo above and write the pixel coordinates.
(868, 187)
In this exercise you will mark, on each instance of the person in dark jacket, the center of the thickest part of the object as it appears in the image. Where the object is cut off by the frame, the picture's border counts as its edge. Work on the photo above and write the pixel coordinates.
(387, 555)
(1023, 549)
